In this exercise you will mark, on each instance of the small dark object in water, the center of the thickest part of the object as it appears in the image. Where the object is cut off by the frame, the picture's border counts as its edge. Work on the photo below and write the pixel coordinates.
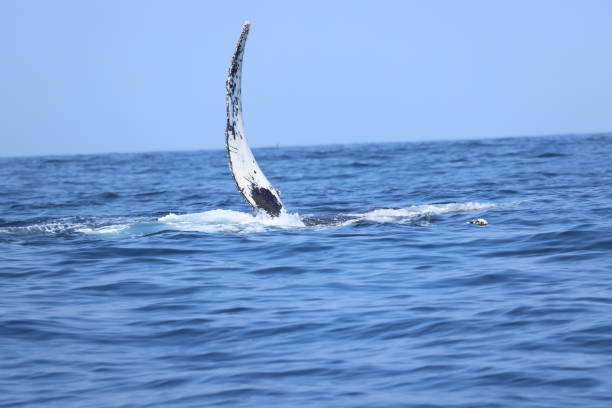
(478, 221)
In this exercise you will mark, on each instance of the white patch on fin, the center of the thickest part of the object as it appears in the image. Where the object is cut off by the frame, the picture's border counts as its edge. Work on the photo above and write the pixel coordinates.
(250, 180)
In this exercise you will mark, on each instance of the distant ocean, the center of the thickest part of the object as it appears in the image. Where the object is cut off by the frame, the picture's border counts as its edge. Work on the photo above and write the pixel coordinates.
(144, 280)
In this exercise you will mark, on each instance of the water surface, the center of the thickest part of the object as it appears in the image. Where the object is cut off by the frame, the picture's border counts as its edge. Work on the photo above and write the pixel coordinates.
(144, 280)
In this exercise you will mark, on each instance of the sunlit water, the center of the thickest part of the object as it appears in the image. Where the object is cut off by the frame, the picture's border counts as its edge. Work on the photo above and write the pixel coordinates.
(143, 280)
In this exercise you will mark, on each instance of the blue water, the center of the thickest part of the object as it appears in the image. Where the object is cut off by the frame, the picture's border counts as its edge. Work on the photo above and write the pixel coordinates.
(144, 280)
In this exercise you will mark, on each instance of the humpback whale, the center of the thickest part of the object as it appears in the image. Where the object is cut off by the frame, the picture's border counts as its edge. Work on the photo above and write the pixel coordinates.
(250, 180)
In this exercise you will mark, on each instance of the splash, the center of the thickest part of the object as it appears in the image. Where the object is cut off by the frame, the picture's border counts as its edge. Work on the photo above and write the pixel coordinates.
(415, 212)
(230, 221)
(234, 222)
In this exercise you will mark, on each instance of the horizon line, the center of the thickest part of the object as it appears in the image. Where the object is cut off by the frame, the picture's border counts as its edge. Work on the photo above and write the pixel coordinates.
(599, 133)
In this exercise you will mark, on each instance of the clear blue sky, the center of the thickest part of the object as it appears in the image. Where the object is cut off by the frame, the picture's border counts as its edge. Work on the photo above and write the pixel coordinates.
(140, 75)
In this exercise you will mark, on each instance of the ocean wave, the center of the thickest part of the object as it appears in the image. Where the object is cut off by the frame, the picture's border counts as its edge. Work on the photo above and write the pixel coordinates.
(384, 292)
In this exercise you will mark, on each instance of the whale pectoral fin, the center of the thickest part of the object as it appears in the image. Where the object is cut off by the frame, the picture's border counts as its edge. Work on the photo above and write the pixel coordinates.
(250, 180)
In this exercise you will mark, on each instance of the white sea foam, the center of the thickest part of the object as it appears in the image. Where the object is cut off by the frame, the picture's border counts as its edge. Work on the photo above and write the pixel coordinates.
(234, 222)
(407, 214)
(229, 221)
(70, 225)
(109, 229)
(54, 227)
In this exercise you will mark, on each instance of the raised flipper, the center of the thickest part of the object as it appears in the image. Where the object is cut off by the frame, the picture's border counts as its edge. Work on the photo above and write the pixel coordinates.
(250, 180)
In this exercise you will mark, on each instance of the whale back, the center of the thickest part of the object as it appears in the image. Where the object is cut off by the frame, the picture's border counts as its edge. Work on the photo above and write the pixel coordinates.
(249, 179)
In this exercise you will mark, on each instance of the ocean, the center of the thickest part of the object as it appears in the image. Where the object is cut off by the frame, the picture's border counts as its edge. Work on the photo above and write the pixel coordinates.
(144, 280)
